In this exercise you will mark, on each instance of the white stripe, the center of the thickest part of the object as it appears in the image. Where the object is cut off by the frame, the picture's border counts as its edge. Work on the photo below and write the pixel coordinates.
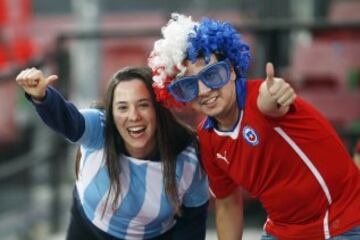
(186, 178)
(314, 171)
(326, 225)
(152, 202)
(307, 161)
(211, 192)
(190, 157)
(103, 223)
(90, 168)
(190, 149)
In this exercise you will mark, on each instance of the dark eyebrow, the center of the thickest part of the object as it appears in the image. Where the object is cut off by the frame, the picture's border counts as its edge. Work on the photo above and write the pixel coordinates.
(139, 101)
(145, 100)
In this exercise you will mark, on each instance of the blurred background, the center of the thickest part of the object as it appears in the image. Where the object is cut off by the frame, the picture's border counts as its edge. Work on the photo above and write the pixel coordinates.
(314, 45)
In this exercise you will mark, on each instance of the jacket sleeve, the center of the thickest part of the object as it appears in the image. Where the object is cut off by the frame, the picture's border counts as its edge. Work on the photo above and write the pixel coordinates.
(60, 115)
(191, 225)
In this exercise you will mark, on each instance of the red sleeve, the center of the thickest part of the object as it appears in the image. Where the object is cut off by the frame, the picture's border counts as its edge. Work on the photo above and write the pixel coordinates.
(220, 184)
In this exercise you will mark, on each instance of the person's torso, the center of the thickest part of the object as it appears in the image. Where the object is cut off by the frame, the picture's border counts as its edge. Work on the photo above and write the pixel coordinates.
(143, 209)
(295, 165)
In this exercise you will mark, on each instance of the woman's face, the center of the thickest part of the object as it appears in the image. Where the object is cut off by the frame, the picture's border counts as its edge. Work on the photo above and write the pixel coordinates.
(134, 117)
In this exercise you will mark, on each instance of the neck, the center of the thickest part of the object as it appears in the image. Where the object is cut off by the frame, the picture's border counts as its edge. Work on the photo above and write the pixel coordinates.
(229, 118)
(141, 153)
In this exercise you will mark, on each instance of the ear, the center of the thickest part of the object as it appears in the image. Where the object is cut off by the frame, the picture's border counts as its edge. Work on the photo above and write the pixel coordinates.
(232, 73)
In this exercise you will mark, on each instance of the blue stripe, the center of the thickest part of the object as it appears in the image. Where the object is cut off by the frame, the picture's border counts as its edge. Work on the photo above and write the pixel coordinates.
(98, 187)
(93, 136)
(179, 167)
(197, 194)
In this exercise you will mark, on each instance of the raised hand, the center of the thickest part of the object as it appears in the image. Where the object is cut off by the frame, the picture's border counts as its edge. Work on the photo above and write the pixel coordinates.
(280, 91)
(275, 95)
(34, 83)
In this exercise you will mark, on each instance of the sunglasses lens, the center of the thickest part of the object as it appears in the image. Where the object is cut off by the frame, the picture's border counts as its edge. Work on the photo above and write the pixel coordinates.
(214, 76)
(217, 75)
(184, 90)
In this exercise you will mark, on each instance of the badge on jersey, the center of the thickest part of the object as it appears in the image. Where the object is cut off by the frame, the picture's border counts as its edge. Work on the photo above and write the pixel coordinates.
(250, 136)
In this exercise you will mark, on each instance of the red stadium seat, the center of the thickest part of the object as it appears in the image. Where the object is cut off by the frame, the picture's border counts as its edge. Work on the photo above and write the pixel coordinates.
(325, 64)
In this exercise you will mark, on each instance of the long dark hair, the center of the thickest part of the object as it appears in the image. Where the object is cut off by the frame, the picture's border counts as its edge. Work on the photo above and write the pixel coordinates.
(172, 136)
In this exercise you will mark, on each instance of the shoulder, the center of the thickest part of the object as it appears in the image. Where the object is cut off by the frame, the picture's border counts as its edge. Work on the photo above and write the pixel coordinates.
(188, 155)
(94, 128)
(93, 115)
(252, 88)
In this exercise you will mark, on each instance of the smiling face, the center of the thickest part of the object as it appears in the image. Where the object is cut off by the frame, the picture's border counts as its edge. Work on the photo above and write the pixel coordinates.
(217, 103)
(134, 117)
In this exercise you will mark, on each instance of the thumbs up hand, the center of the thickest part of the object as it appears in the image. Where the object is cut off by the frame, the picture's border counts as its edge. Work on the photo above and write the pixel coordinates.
(269, 75)
(34, 83)
(275, 95)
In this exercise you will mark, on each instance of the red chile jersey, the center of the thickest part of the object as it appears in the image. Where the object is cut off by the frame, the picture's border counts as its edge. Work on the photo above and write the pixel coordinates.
(296, 165)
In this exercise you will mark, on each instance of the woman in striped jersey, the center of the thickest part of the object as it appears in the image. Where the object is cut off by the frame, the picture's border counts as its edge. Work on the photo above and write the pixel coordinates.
(139, 175)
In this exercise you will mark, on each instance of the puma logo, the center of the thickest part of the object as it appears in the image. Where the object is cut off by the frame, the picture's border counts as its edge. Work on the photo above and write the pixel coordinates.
(222, 157)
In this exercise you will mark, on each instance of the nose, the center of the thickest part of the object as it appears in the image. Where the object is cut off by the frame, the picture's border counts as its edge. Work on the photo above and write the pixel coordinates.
(134, 114)
(203, 89)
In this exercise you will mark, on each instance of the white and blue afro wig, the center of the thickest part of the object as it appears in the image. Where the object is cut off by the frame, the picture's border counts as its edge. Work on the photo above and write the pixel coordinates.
(184, 39)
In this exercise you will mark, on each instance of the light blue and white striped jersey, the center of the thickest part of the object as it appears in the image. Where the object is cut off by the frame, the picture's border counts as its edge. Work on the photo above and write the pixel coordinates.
(143, 210)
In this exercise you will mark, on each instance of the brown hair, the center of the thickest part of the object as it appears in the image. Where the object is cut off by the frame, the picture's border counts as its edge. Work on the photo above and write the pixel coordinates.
(172, 136)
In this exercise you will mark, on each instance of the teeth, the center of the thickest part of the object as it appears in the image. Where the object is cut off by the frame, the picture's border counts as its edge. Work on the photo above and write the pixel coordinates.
(210, 100)
(136, 129)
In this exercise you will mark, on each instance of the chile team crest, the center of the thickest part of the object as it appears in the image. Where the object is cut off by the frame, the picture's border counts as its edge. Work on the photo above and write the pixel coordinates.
(250, 135)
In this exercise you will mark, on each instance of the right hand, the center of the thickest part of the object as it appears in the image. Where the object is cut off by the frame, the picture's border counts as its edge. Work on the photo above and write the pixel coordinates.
(34, 83)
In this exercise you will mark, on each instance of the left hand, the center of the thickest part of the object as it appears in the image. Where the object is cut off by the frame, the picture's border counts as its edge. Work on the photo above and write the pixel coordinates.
(275, 95)
(280, 91)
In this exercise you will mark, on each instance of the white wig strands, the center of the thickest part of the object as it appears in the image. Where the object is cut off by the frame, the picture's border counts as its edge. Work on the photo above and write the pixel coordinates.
(170, 51)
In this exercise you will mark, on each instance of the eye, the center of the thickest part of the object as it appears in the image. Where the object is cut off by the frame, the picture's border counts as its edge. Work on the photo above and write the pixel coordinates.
(144, 105)
(122, 108)
(211, 72)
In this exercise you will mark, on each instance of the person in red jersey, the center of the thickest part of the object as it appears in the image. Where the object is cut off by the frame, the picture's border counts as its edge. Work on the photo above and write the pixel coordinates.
(258, 136)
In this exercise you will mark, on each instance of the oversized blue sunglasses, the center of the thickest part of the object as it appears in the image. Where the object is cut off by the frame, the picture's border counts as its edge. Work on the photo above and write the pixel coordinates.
(214, 76)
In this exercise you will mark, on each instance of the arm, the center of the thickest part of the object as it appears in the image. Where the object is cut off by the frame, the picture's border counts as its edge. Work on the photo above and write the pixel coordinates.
(54, 110)
(229, 216)
(275, 95)
(191, 224)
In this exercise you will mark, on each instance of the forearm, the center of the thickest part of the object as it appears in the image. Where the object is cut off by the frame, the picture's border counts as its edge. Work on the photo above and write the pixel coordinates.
(60, 115)
(229, 218)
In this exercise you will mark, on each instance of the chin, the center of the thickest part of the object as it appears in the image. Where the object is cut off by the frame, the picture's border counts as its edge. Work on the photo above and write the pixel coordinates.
(212, 112)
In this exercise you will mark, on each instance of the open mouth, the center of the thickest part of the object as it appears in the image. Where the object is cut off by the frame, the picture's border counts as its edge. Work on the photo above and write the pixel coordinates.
(209, 101)
(136, 131)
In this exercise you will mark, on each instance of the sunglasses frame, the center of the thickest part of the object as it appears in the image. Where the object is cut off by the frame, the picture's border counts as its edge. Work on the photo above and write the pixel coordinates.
(199, 76)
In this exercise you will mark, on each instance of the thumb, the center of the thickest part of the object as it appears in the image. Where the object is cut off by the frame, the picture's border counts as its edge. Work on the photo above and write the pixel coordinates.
(51, 79)
(269, 75)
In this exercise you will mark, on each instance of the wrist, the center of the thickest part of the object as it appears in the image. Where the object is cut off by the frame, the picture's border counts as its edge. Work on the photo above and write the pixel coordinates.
(38, 99)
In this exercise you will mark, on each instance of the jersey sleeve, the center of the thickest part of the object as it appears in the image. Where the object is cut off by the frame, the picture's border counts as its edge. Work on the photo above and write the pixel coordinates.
(85, 127)
(219, 183)
(93, 136)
